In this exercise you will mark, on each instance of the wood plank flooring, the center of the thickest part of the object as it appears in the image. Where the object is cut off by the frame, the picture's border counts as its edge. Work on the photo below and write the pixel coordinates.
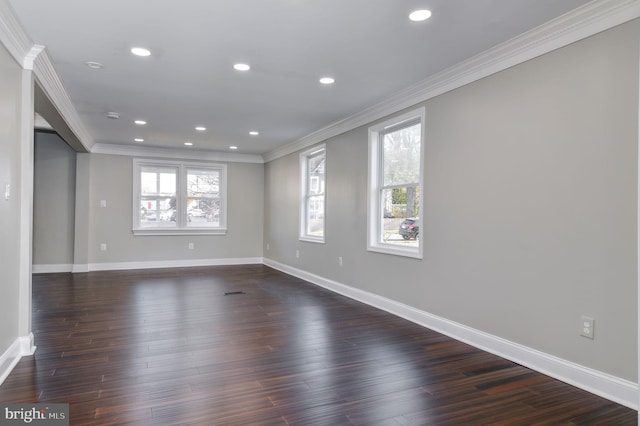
(165, 347)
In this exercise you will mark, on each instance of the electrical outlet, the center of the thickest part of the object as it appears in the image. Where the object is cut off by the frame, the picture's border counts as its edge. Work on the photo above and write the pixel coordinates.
(339, 260)
(297, 254)
(191, 246)
(267, 246)
(103, 247)
(586, 327)
(103, 203)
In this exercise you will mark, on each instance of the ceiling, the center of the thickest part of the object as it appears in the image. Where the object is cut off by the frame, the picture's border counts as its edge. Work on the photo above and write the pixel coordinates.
(369, 47)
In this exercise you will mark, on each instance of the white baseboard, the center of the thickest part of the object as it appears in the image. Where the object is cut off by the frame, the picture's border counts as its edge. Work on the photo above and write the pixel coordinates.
(79, 268)
(186, 263)
(27, 345)
(9, 359)
(22, 346)
(602, 384)
(51, 268)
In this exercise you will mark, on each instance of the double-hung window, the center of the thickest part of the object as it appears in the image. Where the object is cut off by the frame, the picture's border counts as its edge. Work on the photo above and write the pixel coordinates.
(395, 185)
(178, 197)
(312, 199)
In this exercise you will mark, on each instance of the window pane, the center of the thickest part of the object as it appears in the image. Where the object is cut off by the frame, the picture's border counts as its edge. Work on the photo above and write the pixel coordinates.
(315, 173)
(400, 211)
(158, 181)
(203, 183)
(157, 212)
(203, 213)
(158, 197)
(315, 218)
(168, 183)
(312, 195)
(149, 183)
(401, 155)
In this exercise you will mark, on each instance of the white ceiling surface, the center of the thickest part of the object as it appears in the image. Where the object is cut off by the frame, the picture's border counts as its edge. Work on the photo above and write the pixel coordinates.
(369, 46)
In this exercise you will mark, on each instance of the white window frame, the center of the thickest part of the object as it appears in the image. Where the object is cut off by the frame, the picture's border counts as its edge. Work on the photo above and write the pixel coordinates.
(375, 241)
(305, 194)
(181, 197)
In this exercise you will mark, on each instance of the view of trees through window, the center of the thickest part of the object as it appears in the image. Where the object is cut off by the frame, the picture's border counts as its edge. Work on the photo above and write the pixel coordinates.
(315, 194)
(400, 186)
(203, 197)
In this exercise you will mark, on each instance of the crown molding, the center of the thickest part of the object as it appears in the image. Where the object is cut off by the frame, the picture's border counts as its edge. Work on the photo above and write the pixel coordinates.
(181, 154)
(31, 56)
(590, 19)
(585, 21)
(53, 88)
(34, 57)
(12, 36)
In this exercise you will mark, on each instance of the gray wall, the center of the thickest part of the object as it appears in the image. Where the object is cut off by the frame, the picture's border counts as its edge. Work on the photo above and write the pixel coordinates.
(10, 107)
(81, 240)
(70, 225)
(109, 177)
(529, 202)
(53, 200)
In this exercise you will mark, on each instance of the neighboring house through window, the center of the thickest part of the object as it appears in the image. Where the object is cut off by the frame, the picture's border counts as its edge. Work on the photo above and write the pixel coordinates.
(179, 197)
(312, 199)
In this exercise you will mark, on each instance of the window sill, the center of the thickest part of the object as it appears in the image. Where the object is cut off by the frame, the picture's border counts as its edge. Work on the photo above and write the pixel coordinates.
(180, 231)
(317, 240)
(396, 251)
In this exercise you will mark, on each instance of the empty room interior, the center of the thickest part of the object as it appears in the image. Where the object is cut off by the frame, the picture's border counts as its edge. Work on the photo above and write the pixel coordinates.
(320, 213)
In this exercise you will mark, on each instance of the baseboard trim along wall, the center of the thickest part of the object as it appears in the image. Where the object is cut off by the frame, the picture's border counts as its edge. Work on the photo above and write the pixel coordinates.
(9, 359)
(154, 264)
(602, 384)
(22, 346)
(605, 385)
(51, 269)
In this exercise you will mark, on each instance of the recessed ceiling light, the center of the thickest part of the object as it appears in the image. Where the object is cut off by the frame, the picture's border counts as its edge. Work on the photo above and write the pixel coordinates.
(140, 51)
(93, 65)
(139, 140)
(188, 143)
(113, 115)
(201, 128)
(327, 80)
(233, 147)
(140, 122)
(254, 133)
(241, 67)
(420, 15)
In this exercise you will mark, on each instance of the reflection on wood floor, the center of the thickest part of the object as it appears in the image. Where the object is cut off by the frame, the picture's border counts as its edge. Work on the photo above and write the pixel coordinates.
(248, 345)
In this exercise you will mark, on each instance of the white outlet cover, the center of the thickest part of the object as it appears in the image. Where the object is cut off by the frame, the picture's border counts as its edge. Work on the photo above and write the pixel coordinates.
(587, 324)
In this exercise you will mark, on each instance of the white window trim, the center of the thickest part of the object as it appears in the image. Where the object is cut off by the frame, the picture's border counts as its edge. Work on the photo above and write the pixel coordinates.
(374, 218)
(303, 236)
(181, 195)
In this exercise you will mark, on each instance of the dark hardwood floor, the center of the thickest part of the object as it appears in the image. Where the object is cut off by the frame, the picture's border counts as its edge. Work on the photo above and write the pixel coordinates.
(164, 347)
